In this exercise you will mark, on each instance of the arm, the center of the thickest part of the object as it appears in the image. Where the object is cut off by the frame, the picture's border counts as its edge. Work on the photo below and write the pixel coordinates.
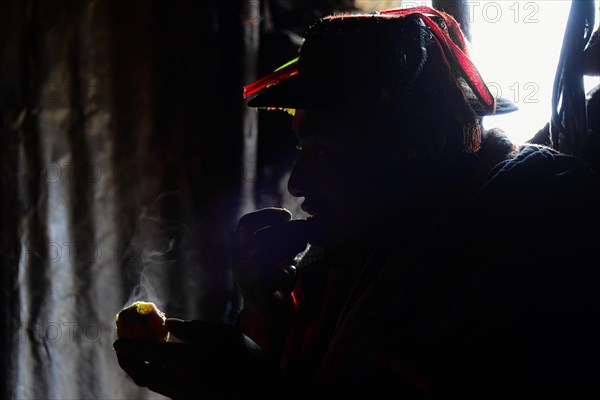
(215, 358)
(205, 359)
(266, 244)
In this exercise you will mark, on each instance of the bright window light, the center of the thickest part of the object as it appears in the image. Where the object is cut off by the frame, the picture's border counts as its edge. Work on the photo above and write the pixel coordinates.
(516, 46)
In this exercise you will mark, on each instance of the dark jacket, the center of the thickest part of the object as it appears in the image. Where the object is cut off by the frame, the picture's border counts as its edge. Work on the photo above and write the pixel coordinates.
(498, 299)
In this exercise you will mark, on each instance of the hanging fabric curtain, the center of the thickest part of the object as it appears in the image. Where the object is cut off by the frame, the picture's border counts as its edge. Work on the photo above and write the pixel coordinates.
(119, 181)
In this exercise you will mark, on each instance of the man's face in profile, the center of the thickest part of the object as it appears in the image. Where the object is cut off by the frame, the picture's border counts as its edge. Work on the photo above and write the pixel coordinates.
(345, 171)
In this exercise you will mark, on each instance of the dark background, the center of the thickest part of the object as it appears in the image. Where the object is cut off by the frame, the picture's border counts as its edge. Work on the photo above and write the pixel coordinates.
(127, 156)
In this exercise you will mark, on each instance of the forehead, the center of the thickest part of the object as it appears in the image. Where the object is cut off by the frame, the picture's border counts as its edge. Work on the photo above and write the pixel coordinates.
(330, 123)
(360, 123)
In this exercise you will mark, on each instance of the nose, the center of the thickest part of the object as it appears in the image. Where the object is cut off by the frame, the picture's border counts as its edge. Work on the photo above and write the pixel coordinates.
(300, 178)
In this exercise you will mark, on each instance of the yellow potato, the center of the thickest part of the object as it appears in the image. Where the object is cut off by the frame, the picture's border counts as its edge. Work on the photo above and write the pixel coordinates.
(142, 320)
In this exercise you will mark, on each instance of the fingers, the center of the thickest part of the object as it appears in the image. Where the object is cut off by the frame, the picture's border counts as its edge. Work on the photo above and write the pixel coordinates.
(194, 331)
(175, 368)
(140, 372)
(272, 232)
(199, 339)
(251, 222)
(181, 329)
(266, 245)
(163, 353)
(145, 350)
(287, 239)
(275, 249)
(172, 382)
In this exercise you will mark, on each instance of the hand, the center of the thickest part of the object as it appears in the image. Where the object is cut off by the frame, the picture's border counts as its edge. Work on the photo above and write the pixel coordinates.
(208, 358)
(266, 243)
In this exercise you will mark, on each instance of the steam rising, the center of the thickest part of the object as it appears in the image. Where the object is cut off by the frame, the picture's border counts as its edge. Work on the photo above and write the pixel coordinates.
(155, 249)
(145, 291)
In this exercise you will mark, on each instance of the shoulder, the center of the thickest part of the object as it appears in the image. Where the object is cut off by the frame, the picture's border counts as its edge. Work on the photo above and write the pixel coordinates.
(537, 172)
(534, 200)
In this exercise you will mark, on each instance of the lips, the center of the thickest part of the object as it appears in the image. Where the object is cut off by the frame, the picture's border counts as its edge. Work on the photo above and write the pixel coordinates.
(309, 211)
(308, 208)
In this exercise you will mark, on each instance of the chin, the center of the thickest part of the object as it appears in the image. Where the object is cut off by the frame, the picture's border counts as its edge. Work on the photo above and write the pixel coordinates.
(320, 231)
(323, 232)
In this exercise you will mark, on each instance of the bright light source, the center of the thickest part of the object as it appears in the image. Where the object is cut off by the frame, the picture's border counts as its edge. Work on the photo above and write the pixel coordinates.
(516, 46)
